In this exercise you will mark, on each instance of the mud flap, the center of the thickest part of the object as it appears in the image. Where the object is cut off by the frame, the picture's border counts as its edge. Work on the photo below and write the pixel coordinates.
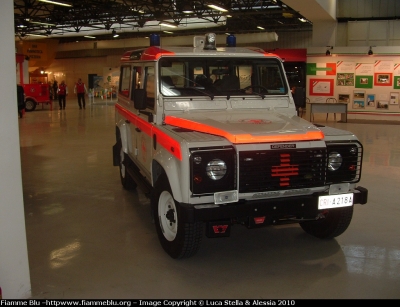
(218, 229)
(115, 150)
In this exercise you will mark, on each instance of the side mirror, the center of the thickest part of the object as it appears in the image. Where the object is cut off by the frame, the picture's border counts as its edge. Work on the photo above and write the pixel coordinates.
(139, 99)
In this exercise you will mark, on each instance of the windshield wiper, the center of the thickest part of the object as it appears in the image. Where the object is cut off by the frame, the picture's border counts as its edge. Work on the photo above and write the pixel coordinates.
(254, 87)
(203, 92)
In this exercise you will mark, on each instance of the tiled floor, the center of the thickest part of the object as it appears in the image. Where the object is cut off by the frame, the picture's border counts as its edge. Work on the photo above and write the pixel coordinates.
(89, 238)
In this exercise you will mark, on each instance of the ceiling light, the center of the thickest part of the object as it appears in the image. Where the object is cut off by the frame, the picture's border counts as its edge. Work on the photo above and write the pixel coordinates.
(55, 2)
(302, 19)
(88, 36)
(370, 52)
(40, 35)
(167, 24)
(168, 32)
(187, 9)
(114, 33)
(217, 7)
(261, 28)
(43, 23)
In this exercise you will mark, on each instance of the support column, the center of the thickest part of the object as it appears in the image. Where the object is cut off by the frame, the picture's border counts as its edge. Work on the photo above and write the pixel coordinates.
(322, 13)
(14, 266)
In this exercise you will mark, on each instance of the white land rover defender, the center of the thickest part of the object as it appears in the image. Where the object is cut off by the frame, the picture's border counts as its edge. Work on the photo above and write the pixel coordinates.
(211, 135)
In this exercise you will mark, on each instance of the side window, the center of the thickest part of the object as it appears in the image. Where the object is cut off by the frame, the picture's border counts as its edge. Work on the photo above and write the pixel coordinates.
(125, 77)
(172, 76)
(150, 86)
(137, 79)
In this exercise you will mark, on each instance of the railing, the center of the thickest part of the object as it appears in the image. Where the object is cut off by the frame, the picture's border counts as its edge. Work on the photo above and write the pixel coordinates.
(102, 95)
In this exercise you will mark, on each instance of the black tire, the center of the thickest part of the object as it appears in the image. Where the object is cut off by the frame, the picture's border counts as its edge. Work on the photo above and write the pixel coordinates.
(334, 224)
(126, 180)
(177, 237)
(30, 105)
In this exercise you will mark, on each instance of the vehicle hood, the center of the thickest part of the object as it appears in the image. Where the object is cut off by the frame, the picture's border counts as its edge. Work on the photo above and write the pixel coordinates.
(248, 126)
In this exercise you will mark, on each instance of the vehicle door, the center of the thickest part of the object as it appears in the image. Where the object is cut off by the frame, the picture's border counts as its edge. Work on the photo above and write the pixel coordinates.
(143, 129)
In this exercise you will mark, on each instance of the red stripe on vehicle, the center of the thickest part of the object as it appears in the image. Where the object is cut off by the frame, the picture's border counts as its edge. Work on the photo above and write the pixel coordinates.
(162, 138)
(154, 53)
(242, 138)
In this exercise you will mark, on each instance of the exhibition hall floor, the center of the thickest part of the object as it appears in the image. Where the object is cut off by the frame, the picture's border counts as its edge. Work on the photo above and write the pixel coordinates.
(89, 238)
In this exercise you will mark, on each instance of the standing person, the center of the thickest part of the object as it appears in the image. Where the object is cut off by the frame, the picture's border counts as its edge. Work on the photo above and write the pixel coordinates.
(55, 89)
(20, 100)
(80, 90)
(51, 94)
(62, 94)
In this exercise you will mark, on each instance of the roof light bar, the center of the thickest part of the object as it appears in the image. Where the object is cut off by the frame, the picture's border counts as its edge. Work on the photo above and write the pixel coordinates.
(210, 42)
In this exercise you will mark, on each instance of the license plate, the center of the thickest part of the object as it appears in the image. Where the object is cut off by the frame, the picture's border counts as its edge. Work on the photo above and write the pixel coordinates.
(335, 201)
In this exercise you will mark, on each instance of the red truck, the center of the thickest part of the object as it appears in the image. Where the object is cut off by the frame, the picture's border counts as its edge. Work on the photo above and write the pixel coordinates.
(35, 94)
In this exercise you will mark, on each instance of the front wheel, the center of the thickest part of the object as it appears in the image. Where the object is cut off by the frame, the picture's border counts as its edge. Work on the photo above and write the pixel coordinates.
(178, 238)
(30, 105)
(334, 224)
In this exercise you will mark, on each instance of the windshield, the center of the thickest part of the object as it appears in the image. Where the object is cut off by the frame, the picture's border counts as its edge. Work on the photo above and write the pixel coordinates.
(221, 77)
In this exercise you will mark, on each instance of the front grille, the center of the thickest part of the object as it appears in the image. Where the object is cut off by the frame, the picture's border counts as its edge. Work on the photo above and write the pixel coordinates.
(271, 170)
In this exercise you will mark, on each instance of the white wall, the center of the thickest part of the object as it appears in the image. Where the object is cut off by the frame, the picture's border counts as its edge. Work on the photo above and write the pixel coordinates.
(371, 84)
(14, 266)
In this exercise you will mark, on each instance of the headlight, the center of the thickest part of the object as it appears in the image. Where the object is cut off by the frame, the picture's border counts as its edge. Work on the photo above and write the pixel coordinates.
(334, 161)
(216, 169)
(212, 170)
(344, 161)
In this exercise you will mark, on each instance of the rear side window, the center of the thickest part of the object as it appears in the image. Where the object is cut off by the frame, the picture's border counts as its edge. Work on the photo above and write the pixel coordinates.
(124, 83)
(150, 86)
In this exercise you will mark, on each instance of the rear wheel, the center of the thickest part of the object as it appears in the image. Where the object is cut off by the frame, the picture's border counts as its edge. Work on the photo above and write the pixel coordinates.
(178, 238)
(127, 181)
(334, 224)
(30, 105)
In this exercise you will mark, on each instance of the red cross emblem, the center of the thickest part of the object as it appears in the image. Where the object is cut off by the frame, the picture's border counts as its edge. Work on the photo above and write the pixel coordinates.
(285, 170)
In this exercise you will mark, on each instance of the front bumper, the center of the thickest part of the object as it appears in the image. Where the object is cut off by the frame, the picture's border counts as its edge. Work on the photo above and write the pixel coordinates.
(297, 207)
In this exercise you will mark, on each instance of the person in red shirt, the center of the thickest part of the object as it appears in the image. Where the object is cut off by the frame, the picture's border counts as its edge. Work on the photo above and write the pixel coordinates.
(62, 94)
(80, 90)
